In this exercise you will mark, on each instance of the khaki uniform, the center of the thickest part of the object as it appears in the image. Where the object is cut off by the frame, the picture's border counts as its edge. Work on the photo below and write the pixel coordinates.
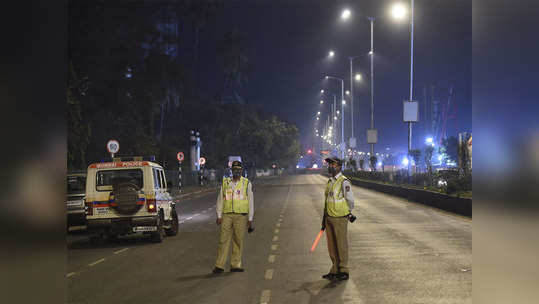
(235, 206)
(339, 203)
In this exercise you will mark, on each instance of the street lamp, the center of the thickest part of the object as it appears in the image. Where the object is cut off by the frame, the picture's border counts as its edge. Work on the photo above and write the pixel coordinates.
(331, 54)
(321, 101)
(347, 92)
(399, 12)
(358, 77)
(371, 19)
(322, 91)
(345, 14)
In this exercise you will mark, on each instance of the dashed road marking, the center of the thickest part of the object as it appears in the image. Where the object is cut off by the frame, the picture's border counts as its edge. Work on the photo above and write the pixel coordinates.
(278, 225)
(70, 274)
(276, 231)
(269, 274)
(96, 262)
(271, 258)
(120, 251)
(275, 238)
(280, 220)
(274, 247)
(196, 214)
(265, 298)
(188, 218)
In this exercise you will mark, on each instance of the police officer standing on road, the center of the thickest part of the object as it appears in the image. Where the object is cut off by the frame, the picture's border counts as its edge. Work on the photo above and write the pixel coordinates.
(337, 212)
(235, 211)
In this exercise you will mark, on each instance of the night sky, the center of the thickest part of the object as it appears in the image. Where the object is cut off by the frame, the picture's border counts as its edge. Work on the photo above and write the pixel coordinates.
(288, 43)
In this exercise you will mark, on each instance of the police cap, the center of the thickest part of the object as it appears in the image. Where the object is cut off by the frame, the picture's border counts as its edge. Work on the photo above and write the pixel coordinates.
(336, 160)
(237, 165)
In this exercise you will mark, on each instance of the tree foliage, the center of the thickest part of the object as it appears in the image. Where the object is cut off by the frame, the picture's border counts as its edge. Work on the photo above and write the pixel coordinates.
(139, 87)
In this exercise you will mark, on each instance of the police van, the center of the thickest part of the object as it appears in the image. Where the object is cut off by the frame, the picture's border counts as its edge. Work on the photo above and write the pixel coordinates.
(126, 196)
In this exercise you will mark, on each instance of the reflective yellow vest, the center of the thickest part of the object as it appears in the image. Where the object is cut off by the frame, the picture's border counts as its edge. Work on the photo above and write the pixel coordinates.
(235, 199)
(336, 204)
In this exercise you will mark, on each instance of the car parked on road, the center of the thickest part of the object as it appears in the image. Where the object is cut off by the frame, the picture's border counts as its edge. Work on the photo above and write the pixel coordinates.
(126, 196)
(76, 191)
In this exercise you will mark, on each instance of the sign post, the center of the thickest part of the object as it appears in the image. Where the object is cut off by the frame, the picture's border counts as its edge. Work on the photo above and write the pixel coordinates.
(113, 146)
(180, 158)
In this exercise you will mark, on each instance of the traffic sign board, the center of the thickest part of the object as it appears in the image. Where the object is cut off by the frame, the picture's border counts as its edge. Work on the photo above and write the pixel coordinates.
(202, 161)
(180, 156)
(113, 146)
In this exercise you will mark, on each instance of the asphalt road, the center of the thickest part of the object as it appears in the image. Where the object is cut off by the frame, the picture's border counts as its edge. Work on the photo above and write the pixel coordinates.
(400, 252)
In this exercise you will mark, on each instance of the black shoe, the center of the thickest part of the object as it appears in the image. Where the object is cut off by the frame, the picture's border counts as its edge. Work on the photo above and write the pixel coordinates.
(330, 276)
(217, 270)
(342, 276)
(237, 270)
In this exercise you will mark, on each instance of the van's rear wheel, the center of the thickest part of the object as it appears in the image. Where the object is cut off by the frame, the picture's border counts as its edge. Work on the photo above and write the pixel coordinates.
(173, 230)
(159, 235)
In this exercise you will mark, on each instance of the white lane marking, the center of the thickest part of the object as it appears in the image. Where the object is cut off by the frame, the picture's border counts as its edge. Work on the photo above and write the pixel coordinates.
(265, 298)
(275, 238)
(278, 225)
(276, 231)
(271, 258)
(274, 247)
(188, 218)
(281, 215)
(269, 274)
(120, 251)
(70, 274)
(204, 211)
(96, 262)
(196, 214)
(280, 220)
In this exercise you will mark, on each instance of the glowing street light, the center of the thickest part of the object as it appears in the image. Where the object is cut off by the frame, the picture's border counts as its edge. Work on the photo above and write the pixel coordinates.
(345, 14)
(331, 54)
(347, 92)
(322, 91)
(398, 11)
(318, 113)
(344, 102)
(321, 101)
(358, 77)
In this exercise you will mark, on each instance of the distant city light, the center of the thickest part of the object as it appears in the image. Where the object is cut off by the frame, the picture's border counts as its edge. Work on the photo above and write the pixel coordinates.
(347, 92)
(315, 166)
(358, 77)
(428, 140)
(344, 102)
(321, 101)
(321, 91)
(440, 157)
(379, 164)
(297, 166)
(405, 161)
(331, 54)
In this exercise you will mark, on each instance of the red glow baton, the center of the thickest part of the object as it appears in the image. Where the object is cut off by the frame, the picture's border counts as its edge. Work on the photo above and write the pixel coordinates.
(317, 240)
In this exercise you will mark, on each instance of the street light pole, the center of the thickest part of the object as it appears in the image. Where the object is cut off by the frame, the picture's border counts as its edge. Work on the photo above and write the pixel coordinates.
(351, 96)
(371, 19)
(411, 74)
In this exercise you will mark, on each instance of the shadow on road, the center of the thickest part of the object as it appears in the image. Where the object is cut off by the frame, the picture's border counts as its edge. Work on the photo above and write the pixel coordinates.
(323, 291)
(202, 276)
(83, 242)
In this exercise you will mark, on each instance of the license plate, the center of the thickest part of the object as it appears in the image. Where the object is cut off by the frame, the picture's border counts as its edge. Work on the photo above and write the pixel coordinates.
(144, 228)
(102, 210)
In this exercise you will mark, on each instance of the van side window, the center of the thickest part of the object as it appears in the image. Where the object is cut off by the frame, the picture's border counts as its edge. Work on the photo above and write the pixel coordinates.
(163, 179)
(156, 179)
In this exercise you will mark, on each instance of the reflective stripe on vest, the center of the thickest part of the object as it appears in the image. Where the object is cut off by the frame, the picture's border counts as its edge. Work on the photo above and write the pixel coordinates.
(235, 199)
(336, 204)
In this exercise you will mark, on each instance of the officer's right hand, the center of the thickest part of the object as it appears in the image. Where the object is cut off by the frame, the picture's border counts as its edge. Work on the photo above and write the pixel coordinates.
(219, 221)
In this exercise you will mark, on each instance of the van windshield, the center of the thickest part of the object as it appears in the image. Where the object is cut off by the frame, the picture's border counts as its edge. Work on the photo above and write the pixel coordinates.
(107, 178)
(76, 184)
